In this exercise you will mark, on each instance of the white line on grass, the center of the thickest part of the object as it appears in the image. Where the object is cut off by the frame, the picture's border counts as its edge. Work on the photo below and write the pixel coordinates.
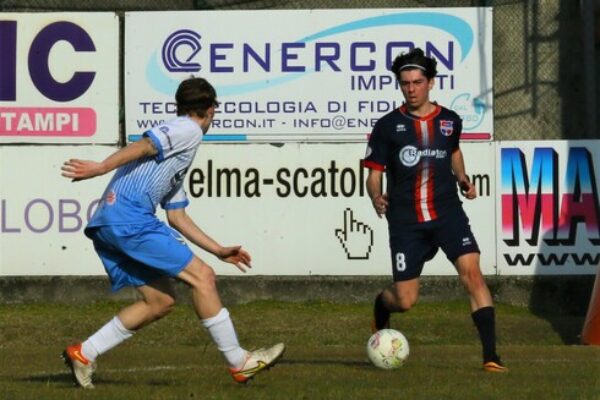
(127, 370)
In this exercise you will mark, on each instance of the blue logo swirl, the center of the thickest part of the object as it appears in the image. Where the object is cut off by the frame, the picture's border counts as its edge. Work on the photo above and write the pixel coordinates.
(182, 37)
(455, 26)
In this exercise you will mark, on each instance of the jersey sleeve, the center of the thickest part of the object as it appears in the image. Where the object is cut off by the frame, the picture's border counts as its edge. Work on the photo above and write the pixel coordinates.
(377, 148)
(169, 141)
(177, 198)
(456, 137)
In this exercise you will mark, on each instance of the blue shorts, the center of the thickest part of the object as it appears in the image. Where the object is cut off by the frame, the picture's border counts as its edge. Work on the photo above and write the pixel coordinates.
(136, 255)
(411, 245)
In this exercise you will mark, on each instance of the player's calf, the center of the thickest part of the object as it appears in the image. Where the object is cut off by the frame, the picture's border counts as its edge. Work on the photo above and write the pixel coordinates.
(381, 315)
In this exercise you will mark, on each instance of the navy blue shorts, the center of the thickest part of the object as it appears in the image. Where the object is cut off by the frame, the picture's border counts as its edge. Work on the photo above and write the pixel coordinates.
(411, 245)
(136, 255)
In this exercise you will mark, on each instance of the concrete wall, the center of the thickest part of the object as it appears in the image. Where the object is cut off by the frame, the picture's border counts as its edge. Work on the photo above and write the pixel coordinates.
(547, 294)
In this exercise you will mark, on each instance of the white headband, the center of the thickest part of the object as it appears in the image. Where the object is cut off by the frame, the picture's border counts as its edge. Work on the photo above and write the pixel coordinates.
(412, 66)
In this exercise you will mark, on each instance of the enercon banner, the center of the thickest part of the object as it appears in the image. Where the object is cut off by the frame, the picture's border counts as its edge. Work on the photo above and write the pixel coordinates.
(305, 75)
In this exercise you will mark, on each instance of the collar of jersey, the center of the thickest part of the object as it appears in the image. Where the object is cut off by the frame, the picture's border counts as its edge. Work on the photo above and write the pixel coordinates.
(403, 109)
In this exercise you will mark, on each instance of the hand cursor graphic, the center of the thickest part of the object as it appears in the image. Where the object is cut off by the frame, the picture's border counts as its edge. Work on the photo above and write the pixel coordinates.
(356, 237)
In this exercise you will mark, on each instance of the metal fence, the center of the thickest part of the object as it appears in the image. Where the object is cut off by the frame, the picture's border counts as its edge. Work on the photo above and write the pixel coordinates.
(540, 87)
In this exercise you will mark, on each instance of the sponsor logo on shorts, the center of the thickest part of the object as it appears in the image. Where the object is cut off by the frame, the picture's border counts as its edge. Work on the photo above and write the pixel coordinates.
(466, 241)
(111, 198)
(177, 236)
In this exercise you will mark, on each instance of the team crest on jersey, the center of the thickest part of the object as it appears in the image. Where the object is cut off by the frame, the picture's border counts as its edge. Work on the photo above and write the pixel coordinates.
(446, 127)
(111, 198)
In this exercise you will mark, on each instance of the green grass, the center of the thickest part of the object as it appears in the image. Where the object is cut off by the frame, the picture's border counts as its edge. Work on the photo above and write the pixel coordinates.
(325, 358)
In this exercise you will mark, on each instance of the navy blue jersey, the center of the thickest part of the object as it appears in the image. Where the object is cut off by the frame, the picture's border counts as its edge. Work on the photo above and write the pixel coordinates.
(416, 155)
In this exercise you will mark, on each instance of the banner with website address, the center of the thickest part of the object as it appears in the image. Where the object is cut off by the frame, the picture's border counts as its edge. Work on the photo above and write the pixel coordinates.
(305, 75)
(59, 78)
(548, 220)
(299, 209)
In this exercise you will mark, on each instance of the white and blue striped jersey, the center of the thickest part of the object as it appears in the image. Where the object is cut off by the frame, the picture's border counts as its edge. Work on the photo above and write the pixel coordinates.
(138, 187)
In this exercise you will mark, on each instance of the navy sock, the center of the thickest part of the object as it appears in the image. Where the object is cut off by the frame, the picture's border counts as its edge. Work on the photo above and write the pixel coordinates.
(485, 321)
(382, 314)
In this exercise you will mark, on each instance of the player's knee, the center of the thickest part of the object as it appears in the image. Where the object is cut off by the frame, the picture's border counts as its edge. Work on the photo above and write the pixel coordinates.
(405, 304)
(162, 306)
(205, 279)
(165, 309)
(474, 281)
(209, 279)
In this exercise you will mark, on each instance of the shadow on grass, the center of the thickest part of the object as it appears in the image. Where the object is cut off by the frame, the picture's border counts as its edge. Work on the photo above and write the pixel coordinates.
(349, 363)
(562, 301)
(68, 380)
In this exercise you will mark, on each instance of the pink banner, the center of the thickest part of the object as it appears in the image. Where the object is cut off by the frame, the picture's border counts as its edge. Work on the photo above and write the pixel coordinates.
(47, 121)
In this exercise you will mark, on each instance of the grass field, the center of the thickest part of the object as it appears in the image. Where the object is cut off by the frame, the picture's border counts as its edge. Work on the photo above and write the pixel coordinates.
(325, 357)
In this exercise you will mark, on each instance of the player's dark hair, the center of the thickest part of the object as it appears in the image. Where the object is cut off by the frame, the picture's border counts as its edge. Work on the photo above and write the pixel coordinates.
(195, 95)
(414, 59)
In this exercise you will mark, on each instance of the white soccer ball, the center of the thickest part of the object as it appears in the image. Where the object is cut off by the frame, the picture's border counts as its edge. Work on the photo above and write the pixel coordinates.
(388, 349)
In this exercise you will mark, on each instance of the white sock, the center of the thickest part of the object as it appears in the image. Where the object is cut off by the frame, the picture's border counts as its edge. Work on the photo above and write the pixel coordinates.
(223, 334)
(107, 337)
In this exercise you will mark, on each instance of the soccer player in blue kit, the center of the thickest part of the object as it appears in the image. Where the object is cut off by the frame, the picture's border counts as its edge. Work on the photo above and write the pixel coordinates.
(139, 250)
(417, 146)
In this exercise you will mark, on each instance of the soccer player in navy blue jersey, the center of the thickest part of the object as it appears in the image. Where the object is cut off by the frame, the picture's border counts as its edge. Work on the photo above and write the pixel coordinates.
(417, 147)
(139, 250)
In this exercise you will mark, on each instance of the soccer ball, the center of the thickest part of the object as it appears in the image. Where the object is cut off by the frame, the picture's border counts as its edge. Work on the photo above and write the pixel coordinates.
(387, 349)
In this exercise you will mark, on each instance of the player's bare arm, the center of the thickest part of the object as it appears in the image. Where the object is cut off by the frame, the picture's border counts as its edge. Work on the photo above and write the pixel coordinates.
(85, 169)
(467, 189)
(379, 200)
(182, 222)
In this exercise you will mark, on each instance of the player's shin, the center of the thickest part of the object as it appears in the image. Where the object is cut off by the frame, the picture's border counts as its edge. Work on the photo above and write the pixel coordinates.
(220, 328)
(485, 321)
(109, 336)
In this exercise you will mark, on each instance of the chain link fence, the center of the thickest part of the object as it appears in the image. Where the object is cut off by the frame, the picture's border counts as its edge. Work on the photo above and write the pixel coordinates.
(538, 53)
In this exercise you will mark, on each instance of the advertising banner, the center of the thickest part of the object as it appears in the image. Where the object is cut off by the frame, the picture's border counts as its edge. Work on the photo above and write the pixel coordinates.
(548, 219)
(299, 209)
(305, 75)
(42, 214)
(59, 78)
